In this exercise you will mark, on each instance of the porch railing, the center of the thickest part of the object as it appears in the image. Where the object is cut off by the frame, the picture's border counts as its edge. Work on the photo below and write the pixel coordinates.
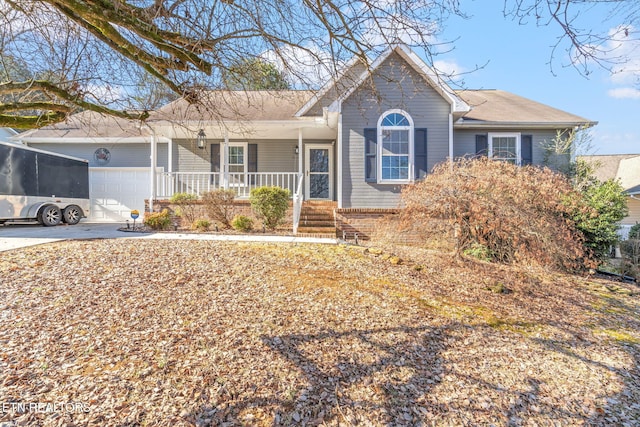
(198, 183)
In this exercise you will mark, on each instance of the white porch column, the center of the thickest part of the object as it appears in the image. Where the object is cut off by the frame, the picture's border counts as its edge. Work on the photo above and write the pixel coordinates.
(300, 152)
(450, 137)
(154, 162)
(339, 156)
(225, 162)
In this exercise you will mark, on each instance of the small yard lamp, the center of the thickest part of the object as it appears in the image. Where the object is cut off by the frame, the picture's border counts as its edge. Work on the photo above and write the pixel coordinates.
(200, 139)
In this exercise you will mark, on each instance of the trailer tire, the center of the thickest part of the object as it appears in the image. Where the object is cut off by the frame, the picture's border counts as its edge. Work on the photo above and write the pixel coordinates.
(72, 214)
(50, 216)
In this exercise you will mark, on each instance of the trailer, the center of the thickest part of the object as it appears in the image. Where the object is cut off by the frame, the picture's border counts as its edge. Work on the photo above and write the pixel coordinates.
(43, 186)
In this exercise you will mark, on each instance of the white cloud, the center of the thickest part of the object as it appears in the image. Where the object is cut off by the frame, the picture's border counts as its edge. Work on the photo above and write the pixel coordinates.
(624, 92)
(449, 69)
(623, 49)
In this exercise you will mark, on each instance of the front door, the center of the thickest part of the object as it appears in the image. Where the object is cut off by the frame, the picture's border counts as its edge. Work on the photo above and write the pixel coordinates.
(318, 172)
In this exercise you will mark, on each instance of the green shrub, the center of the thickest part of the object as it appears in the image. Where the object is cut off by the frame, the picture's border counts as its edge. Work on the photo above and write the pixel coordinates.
(479, 251)
(270, 204)
(186, 206)
(602, 207)
(242, 223)
(158, 220)
(634, 232)
(201, 224)
(219, 205)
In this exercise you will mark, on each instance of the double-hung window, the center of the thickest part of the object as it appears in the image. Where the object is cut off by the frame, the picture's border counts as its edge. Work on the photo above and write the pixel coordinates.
(395, 147)
(237, 163)
(509, 147)
(505, 147)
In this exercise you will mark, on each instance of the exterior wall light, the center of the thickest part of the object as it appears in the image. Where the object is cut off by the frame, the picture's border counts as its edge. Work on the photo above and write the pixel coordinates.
(297, 150)
(200, 139)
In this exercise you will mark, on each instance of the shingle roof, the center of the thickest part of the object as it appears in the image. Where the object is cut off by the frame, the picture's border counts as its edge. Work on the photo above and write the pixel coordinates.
(624, 167)
(489, 108)
(88, 124)
(499, 106)
(236, 105)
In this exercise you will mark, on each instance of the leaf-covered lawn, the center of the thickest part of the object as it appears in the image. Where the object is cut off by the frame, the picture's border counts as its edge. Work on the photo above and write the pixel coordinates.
(209, 333)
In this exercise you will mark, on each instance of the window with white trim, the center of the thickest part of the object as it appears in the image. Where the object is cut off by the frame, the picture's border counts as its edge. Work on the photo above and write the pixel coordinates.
(395, 147)
(237, 163)
(505, 147)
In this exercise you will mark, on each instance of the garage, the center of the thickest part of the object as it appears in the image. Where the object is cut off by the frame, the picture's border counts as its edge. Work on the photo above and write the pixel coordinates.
(115, 192)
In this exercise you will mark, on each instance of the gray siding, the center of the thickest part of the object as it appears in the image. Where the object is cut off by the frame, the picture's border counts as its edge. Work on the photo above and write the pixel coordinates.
(122, 155)
(464, 144)
(395, 85)
(273, 155)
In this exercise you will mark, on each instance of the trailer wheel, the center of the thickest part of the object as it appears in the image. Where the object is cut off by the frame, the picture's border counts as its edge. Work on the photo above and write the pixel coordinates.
(72, 214)
(50, 216)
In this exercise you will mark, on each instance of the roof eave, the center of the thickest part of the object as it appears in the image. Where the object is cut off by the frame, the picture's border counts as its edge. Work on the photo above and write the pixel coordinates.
(92, 140)
(477, 124)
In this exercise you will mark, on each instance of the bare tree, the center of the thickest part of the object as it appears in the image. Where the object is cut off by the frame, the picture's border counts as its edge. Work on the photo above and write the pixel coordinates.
(103, 55)
(93, 54)
(611, 46)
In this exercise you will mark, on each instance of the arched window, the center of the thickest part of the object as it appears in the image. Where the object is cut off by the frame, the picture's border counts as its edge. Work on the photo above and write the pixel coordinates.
(395, 150)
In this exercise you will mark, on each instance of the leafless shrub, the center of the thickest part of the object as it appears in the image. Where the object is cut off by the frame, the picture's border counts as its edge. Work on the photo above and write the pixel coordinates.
(219, 206)
(519, 214)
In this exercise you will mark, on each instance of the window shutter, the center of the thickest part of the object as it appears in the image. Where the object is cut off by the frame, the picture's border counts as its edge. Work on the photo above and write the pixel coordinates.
(420, 153)
(252, 158)
(370, 154)
(526, 149)
(215, 157)
(482, 145)
(252, 161)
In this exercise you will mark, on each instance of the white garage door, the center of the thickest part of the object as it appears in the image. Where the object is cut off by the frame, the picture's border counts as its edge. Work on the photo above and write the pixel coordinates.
(115, 192)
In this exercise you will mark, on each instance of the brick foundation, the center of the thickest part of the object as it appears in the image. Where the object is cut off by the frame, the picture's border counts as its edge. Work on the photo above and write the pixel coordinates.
(361, 220)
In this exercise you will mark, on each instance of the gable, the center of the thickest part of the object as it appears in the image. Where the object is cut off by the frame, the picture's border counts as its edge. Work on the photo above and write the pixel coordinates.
(396, 85)
(349, 82)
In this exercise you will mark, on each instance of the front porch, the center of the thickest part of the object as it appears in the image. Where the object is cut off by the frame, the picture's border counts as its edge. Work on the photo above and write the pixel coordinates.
(305, 218)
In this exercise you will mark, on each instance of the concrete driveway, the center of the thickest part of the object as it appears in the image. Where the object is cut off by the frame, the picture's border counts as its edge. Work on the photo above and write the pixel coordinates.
(20, 235)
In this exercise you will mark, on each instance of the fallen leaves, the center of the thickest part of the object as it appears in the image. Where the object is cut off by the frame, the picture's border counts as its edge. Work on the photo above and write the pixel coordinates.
(209, 333)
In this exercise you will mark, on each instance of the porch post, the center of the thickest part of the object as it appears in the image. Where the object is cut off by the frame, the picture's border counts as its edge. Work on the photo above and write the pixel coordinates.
(225, 162)
(300, 152)
(451, 138)
(154, 160)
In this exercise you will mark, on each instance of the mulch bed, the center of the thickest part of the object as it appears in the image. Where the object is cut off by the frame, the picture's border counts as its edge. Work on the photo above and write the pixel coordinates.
(198, 333)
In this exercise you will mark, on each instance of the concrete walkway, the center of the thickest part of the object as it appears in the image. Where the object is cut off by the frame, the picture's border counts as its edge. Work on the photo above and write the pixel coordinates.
(13, 236)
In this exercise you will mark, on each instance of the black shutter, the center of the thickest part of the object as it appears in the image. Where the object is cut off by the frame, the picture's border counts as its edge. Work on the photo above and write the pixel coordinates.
(370, 154)
(252, 161)
(215, 157)
(252, 158)
(526, 149)
(420, 153)
(482, 145)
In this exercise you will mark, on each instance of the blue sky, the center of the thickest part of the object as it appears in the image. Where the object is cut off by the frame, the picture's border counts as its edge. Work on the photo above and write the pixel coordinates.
(517, 60)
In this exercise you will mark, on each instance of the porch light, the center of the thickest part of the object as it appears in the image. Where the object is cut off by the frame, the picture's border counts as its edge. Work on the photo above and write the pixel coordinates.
(297, 150)
(200, 139)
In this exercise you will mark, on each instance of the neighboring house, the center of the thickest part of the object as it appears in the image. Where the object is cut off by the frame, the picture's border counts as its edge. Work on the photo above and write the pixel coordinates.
(626, 169)
(355, 143)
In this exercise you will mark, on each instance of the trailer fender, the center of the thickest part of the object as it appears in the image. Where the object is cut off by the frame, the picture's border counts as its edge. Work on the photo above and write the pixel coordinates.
(34, 210)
